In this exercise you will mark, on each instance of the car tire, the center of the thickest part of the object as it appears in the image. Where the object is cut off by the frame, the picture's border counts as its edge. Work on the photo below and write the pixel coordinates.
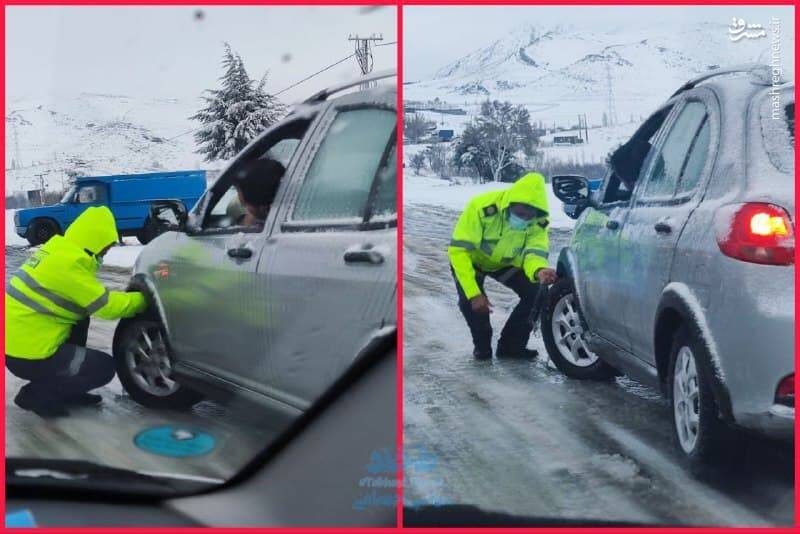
(691, 396)
(148, 232)
(142, 359)
(563, 335)
(41, 230)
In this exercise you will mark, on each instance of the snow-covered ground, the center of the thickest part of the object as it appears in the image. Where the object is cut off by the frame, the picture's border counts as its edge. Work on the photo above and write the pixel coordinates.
(119, 256)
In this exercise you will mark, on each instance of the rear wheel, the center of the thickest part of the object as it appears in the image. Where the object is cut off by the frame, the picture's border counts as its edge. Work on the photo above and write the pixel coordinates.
(144, 366)
(565, 338)
(41, 230)
(700, 435)
(148, 232)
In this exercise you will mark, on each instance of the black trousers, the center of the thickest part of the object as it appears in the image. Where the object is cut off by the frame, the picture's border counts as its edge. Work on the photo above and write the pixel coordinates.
(517, 330)
(70, 371)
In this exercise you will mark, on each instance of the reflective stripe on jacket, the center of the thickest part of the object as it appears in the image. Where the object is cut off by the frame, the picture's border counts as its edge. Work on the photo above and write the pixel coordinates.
(57, 287)
(484, 240)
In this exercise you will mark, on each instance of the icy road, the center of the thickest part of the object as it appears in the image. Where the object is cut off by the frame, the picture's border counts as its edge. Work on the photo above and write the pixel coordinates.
(517, 436)
(105, 434)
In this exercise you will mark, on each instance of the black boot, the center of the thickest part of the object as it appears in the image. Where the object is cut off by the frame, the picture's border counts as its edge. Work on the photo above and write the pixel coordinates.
(85, 399)
(482, 355)
(41, 406)
(520, 353)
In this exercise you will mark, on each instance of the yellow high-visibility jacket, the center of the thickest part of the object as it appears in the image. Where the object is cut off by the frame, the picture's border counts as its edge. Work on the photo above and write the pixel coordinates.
(483, 239)
(57, 287)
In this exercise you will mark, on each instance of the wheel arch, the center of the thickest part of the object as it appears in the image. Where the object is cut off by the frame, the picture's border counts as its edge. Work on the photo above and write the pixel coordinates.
(155, 308)
(672, 313)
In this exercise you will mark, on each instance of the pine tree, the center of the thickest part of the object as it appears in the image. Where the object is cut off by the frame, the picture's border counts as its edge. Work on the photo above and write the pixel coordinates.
(236, 113)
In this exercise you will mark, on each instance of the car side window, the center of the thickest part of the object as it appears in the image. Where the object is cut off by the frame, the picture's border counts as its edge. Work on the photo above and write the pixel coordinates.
(340, 178)
(697, 159)
(384, 200)
(90, 194)
(666, 165)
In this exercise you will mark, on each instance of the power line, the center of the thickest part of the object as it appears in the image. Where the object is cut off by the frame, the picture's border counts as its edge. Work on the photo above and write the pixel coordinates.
(315, 74)
(386, 44)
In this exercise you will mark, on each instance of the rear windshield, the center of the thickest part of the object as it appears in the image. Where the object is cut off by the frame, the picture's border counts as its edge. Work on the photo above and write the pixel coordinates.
(777, 129)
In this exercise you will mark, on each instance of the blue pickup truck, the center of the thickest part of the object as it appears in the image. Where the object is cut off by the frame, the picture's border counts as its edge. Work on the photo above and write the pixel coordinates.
(129, 197)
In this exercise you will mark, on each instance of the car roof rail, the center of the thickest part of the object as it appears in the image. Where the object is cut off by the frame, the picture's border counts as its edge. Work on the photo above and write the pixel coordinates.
(323, 95)
(758, 70)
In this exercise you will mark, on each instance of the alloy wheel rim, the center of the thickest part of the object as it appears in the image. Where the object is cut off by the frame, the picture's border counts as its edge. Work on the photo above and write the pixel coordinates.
(686, 399)
(147, 359)
(568, 333)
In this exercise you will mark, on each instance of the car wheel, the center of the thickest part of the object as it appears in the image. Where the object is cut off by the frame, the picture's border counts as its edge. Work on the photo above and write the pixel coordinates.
(41, 230)
(698, 431)
(148, 232)
(144, 366)
(565, 338)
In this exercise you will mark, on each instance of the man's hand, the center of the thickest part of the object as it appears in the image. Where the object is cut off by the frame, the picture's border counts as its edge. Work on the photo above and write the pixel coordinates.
(547, 275)
(481, 304)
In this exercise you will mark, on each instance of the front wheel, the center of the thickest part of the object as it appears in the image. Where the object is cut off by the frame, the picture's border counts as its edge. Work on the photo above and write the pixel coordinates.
(144, 366)
(148, 232)
(565, 338)
(41, 230)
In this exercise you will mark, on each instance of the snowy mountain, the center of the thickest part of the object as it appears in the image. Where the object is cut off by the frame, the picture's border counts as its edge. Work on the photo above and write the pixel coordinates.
(560, 72)
(94, 134)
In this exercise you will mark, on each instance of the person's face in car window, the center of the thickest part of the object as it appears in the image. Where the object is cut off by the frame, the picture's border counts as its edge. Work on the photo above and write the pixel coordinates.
(254, 211)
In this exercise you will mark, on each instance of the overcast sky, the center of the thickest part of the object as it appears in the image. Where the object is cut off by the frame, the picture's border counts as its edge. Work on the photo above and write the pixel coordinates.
(176, 51)
(437, 35)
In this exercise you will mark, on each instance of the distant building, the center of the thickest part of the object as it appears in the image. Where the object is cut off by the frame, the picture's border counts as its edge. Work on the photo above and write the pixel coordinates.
(567, 140)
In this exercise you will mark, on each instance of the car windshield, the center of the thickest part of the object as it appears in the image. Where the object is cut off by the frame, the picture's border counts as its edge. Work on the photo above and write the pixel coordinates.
(198, 357)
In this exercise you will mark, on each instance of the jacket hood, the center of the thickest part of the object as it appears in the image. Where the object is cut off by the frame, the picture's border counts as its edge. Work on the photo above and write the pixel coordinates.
(93, 230)
(530, 190)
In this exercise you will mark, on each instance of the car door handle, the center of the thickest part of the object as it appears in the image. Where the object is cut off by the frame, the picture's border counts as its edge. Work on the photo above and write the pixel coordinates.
(612, 225)
(241, 253)
(363, 255)
(663, 227)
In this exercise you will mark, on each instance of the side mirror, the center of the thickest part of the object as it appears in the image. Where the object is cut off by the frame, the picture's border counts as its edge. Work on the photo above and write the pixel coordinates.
(168, 214)
(571, 189)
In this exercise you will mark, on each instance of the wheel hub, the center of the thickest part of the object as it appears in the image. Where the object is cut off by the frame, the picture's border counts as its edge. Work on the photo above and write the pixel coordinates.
(148, 361)
(686, 399)
(568, 333)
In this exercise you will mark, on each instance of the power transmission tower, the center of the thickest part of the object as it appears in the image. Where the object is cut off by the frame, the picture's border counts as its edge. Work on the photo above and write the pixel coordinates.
(612, 105)
(15, 133)
(363, 53)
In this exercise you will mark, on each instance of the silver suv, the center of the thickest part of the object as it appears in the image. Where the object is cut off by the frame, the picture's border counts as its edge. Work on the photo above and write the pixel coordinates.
(680, 271)
(275, 314)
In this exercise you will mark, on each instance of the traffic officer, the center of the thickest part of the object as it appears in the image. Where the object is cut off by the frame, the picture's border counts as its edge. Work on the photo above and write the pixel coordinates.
(48, 304)
(502, 234)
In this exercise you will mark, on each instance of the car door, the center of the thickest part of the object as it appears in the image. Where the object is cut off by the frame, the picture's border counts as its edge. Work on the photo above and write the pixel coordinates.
(663, 201)
(596, 245)
(88, 194)
(331, 260)
(213, 300)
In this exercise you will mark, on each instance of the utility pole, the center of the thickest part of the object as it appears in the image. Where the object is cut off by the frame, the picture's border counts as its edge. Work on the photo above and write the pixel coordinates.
(612, 106)
(15, 133)
(41, 188)
(363, 53)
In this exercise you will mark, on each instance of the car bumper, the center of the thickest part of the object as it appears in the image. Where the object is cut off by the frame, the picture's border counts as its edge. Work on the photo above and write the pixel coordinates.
(777, 422)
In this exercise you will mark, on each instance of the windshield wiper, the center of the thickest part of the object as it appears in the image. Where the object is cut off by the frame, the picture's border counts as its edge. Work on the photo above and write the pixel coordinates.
(30, 476)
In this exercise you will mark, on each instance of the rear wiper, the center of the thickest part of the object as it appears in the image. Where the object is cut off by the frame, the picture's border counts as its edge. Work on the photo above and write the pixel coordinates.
(29, 476)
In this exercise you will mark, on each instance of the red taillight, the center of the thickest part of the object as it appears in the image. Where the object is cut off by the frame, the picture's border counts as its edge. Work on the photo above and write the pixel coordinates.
(756, 232)
(785, 393)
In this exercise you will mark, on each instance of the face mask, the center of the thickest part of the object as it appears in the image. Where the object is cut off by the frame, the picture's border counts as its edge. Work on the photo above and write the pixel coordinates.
(518, 223)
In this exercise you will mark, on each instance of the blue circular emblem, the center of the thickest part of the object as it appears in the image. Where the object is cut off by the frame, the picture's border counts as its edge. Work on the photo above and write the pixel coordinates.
(174, 441)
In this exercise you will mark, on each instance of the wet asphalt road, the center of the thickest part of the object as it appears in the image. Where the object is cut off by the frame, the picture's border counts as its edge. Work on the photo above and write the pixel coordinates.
(519, 437)
(105, 434)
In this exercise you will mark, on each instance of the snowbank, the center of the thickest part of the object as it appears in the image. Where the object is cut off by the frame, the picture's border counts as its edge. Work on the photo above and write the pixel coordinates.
(12, 239)
(437, 192)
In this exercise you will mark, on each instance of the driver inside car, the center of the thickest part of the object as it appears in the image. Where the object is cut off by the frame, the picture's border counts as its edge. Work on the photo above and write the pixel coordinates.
(256, 183)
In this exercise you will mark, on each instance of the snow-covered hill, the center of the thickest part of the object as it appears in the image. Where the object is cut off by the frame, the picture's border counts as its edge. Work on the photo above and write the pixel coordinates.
(560, 72)
(94, 134)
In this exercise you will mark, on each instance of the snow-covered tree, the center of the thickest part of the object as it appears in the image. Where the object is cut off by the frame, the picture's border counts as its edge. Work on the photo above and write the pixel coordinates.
(416, 126)
(236, 113)
(417, 162)
(492, 143)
